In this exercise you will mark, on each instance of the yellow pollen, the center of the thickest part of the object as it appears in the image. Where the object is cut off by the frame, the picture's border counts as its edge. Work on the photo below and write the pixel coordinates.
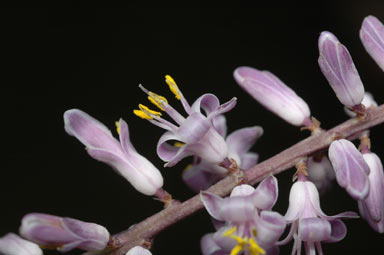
(172, 86)
(244, 243)
(178, 144)
(149, 111)
(157, 100)
(142, 115)
(187, 168)
(117, 127)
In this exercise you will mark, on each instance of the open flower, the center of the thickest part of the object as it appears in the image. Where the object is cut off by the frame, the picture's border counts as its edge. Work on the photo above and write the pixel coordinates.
(64, 234)
(372, 208)
(308, 222)
(122, 156)
(372, 37)
(337, 66)
(12, 244)
(350, 168)
(273, 94)
(202, 174)
(249, 225)
(195, 132)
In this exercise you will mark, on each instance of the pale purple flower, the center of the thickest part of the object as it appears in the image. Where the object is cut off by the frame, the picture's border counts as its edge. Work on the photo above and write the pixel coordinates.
(273, 94)
(372, 208)
(12, 244)
(247, 217)
(195, 132)
(121, 155)
(368, 102)
(337, 66)
(372, 37)
(138, 250)
(308, 222)
(202, 174)
(320, 172)
(63, 233)
(350, 168)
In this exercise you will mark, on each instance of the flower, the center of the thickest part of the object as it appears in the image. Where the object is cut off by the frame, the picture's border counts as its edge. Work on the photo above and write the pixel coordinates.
(138, 250)
(372, 207)
(122, 156)
(249, 225)
(372, 37)
(65, 233)
(350, 168)
(12, 244)
(273, 94)
(201, 174)
(337, 66)
(195, 132)
(320, 172)
(308, 222)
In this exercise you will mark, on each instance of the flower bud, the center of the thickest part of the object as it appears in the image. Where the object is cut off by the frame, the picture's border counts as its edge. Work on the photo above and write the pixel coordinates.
(138, 250)
(372, 208)
(350, 168)
(337, 66)
(12, 244)
(273, 94)
(63, 233)
(372, 37)
(368, 102)
(320, 172)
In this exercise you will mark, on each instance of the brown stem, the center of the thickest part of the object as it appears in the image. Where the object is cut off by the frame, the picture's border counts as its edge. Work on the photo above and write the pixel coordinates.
(286, 159)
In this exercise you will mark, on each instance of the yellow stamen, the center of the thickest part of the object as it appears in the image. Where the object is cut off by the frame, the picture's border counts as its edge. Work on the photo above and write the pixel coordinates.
(117, 127)
(158, 100)
(187, 168)
(172, 86)
(142, 115)
(149, 111)
(244, 243)
(178, 144)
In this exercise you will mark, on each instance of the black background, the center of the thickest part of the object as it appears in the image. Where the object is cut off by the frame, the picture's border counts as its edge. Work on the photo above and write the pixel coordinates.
(94, 59)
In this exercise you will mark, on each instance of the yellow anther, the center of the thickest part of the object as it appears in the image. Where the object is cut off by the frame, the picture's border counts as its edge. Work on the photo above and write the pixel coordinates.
(142, 115)
(187, 168)
(172, 86)
(117, 127)
(149, 111)
(244, 243)
(157, 100)
(178, 144)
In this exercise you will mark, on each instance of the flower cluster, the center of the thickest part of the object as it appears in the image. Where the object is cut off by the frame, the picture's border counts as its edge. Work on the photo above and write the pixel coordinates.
(244, 221)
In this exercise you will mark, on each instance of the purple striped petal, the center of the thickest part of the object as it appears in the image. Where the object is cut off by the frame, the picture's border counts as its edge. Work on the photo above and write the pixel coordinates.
(220, 124)
(266, 193)
(314, 229)
(350, 168)
(65, 233)
(12, 244)
(213, 204)
(208, 102)
(248, 160)
(208, 245)
(372, 37)
(338, 232)
(241, 140)
(202, 176)
(270, 226)
(337, 66)
(273, 94)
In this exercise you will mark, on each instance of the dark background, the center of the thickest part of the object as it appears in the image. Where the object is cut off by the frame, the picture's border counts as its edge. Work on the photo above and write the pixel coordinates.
(94, 59)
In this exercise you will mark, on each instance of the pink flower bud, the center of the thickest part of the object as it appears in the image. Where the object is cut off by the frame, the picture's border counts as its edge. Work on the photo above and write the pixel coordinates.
(337, 66)
(12, 244)
(372, 37)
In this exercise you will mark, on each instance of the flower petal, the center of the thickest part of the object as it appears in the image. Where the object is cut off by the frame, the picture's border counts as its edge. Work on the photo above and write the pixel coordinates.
(339, 231)
(314, 230)
(337, 66)
(12, 244)
(124, 138)
(220, 124)
(372, 37)
(350, 168)
(138, 250)
(208, 245)
(270, 226)
(207, 102)
(266, 193)
(248, 160)
(241, 140)
(273, 94)
(199, 177)
(213, 204)
(193, 128)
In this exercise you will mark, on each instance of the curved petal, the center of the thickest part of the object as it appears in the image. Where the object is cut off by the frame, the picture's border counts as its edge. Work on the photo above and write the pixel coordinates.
(208, 102)
(12, 244)
(166, 151)
(297, 200)
(220, 124)
(225, 243)
(266, 193)
(339, 231)
(208, 245)
(124, 138)
(241, 140)
(314, 230)
(193, 128)
(248, 160)
(213, 204)
(226, 107)
(269, 226)
(242, 190)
